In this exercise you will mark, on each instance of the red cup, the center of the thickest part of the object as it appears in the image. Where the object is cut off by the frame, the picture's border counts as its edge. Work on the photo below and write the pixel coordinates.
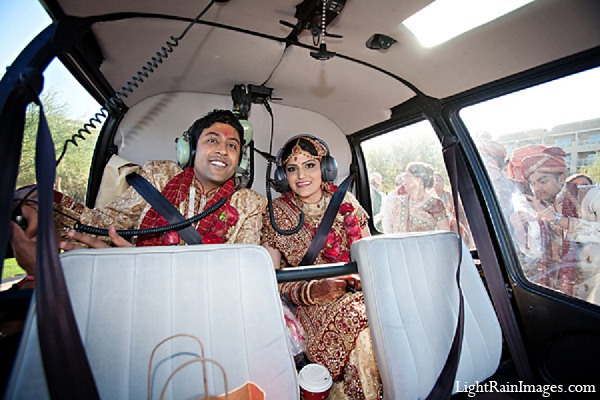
(315, 382)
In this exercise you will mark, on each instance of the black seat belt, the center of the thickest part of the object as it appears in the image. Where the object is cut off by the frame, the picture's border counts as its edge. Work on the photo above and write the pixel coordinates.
(456, 166)
(67, 369)
(326, 222)
(163, 206)
(445, 381)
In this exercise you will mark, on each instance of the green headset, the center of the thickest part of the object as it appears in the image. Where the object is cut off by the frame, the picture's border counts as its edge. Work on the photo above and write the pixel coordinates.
(186, 148)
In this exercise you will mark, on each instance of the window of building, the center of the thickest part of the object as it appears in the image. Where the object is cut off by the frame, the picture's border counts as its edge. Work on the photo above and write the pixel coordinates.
(595, 138)
(564, 142)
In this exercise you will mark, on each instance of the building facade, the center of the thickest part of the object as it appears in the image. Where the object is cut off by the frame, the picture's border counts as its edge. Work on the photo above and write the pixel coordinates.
(580, 140)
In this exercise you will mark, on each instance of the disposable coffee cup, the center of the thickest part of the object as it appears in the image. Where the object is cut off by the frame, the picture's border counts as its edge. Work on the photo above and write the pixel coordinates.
(315, 382)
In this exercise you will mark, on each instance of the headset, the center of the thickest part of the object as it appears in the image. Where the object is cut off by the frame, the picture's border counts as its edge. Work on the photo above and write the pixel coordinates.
(186, 148)
(329, 167)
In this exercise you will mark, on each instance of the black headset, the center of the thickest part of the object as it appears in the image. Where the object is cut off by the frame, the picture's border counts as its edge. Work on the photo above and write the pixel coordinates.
(329, 167)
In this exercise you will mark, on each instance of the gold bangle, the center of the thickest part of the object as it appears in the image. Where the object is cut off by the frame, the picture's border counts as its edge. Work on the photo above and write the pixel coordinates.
(303, 298)
(283, 288)
(308, 296)
(295, 293)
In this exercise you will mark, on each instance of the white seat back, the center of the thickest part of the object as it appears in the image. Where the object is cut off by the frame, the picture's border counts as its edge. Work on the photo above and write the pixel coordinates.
(128, 300)
(411, 295)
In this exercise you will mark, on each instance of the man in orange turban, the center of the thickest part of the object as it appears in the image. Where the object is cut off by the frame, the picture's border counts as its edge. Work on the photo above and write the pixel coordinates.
(550, 160)
(514, 165)
(568, 221)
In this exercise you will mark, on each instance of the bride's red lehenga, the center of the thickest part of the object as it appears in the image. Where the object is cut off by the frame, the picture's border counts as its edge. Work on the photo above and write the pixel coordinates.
(337, 333)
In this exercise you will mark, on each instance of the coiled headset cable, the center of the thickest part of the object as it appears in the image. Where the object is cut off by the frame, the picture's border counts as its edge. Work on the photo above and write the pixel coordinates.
(116, 102)
(128, 233)
(270, 183)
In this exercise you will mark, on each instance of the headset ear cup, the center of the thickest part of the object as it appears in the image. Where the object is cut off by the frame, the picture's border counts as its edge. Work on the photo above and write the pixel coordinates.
(281, 178)
(243, 164)
(329, 169)
(183, 151)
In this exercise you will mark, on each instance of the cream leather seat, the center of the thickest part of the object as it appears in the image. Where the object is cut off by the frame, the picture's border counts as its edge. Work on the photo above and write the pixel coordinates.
(411, 295)
(127, 300)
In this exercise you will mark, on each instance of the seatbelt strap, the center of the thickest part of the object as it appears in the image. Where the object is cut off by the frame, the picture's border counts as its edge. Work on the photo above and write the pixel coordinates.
(12, 126)
(491, 268)
(325, 226)
(445, 381)
(163, 206)
(67, 369)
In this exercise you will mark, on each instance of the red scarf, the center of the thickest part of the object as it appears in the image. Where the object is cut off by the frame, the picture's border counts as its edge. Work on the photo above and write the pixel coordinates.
(176, 191)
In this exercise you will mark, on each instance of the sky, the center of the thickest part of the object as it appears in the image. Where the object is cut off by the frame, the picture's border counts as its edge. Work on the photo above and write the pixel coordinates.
(570, 99)
(20, 22)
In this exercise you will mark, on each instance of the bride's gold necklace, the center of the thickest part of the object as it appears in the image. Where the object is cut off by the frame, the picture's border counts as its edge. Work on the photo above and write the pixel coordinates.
(313, 211)
(417, 200)
(319, 203)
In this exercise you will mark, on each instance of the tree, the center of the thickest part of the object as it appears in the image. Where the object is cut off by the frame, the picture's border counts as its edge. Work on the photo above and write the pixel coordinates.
(389, 154)
(73, 171)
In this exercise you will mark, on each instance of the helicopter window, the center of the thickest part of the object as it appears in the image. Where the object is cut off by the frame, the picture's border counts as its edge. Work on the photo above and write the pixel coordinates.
(66, 104)
(67, 107)
(410, 190)
(535, 143)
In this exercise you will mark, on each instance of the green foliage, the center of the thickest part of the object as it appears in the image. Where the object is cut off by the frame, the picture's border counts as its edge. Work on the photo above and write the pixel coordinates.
(593, 170)
(389, 154)
(73, 171)
(11, 268)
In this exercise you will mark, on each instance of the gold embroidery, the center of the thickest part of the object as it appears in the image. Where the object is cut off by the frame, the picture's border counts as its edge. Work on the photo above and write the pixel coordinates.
(296, 150)
(128, 210)
(293, 247)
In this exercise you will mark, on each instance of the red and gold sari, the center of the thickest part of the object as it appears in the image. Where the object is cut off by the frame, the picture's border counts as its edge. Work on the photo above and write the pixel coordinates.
(337, 333)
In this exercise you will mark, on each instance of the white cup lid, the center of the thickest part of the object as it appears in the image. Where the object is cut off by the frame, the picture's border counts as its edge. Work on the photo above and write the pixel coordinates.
(315, 378)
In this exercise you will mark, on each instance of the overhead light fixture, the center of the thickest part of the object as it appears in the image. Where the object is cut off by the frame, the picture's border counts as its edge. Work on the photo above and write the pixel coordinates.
(443, 20)
(379, 41)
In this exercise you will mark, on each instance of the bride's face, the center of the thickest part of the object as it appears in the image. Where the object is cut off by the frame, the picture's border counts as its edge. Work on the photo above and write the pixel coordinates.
(304, 176)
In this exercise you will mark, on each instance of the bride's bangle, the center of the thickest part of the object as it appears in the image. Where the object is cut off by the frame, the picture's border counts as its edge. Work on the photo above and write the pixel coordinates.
(309, 298)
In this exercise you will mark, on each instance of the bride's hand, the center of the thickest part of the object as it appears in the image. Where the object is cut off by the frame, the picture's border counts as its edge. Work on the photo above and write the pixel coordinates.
(353, 283)
(327, 290)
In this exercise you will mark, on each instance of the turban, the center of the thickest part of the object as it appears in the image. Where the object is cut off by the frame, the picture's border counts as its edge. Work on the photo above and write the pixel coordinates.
(517, 157)
(550, 161)
(492, 148)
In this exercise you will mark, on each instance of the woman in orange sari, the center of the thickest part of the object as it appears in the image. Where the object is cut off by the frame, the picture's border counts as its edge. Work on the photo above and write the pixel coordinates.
(335, 320)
